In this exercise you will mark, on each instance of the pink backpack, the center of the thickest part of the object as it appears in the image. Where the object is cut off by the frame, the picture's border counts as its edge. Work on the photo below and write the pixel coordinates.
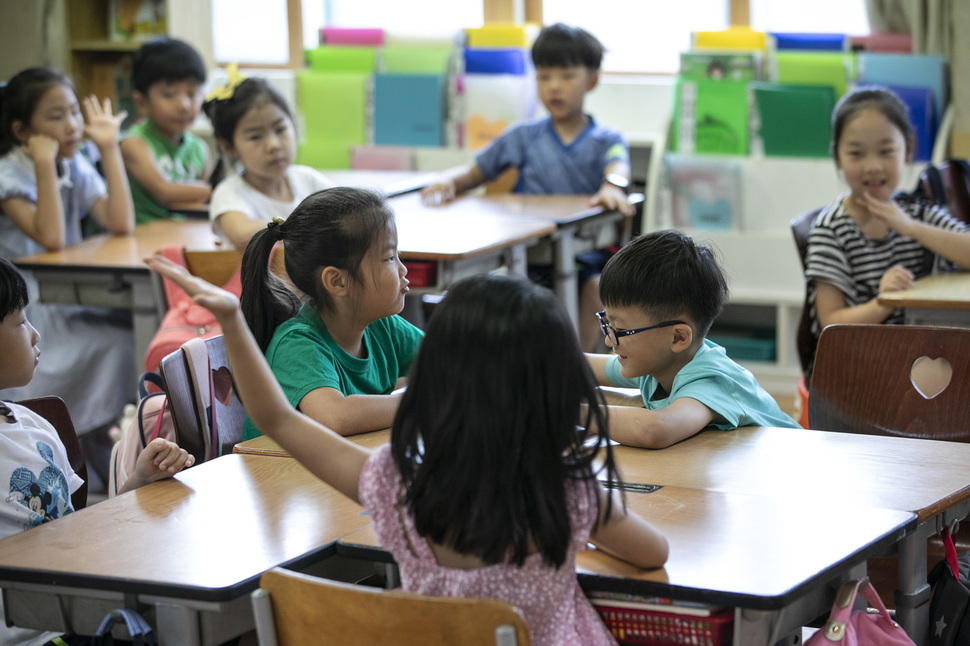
(184, 319)
(153, 417)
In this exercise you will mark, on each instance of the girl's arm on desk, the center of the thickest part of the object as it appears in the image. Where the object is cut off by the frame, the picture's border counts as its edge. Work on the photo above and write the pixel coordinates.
(628, 536)
(42, 222)
(350, 414)
(328, 456)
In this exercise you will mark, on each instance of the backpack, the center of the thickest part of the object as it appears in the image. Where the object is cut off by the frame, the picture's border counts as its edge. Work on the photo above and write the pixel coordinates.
(946, 184)
(950, 605)
(184, 319)
(153, 417)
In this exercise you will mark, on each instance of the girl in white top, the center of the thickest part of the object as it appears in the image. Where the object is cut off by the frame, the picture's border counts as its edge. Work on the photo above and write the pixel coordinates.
(254, 129)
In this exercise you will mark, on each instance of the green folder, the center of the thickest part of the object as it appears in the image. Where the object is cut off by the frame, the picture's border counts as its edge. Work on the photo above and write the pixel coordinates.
(712, 117)
(342, 58)
(836, 70)
(794, 120)
(334, 109)
(416, 59)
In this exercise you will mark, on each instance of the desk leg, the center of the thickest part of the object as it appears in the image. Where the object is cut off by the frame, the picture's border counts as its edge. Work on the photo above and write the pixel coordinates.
(565, 278)
(515, 260)
(146, 315)
(913, 594)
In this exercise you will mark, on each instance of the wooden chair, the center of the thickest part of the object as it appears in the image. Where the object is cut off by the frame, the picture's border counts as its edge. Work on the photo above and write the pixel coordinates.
(293, 609)
(867, 380)
(864, 382)
(180, 388)
(54, 410)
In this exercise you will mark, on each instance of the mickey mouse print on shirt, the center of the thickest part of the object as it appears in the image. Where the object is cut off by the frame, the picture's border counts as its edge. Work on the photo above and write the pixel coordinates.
(46, 495)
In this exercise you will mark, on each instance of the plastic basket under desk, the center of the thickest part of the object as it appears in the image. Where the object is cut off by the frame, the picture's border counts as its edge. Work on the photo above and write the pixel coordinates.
(648, 627)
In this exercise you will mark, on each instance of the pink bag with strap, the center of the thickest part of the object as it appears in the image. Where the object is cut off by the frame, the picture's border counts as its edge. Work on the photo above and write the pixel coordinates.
(850, 627)
(184, 319)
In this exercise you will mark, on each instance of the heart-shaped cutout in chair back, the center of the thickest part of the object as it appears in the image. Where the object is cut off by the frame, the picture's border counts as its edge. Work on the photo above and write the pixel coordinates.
(222, 384)
(930, 377)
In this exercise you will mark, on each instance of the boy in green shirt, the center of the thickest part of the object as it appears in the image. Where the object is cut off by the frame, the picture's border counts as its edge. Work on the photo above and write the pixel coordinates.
(167, 165)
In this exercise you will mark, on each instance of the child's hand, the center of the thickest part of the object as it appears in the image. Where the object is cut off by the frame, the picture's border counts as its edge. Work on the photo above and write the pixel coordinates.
(159, 460)
(612, 198)
(101, 126)
(218, 301)
(438, 193)
(41, 148)
(896, 279)
(887, 212)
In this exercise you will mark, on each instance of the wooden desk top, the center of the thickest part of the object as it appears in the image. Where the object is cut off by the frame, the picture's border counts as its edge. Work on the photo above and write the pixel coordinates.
(127, 251)
(916, 475)
(266, 446)
(209, 533)
(939, 292)
(559, 209)
(729, 549)
(391, 182)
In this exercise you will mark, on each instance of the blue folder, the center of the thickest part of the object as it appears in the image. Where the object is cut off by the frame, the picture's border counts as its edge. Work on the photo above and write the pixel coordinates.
(496, 61)
(907, 70)
(809, 42)
(923, 117)
(409, 109)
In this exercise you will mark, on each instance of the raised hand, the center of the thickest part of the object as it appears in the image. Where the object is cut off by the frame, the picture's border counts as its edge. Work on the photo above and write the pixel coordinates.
(218, 301)
(101, 126)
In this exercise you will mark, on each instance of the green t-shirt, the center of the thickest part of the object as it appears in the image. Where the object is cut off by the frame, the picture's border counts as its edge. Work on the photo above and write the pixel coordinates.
(304, 357)
(182, 162)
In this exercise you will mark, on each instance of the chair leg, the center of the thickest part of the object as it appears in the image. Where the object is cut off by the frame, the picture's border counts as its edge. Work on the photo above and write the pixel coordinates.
(263, 615)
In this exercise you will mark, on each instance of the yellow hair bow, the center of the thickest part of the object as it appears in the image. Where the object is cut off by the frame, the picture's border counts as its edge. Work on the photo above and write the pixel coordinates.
(226, 91)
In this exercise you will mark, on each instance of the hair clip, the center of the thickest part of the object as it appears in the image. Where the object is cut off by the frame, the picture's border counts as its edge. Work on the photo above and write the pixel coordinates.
(226, 91)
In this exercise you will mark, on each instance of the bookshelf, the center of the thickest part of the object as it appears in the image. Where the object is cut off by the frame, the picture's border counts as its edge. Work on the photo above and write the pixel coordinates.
(100, 65)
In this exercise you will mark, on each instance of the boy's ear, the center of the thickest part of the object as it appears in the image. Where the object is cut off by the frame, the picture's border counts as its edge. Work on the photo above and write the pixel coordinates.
(141, 103)
(335, 281)
(910, 149)
(594, 80)
(683, 336)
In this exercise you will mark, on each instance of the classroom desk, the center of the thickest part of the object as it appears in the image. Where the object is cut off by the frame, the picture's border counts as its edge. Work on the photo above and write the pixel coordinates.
(926, 477)
(266, 446)
(107, 271)
(940, 299)
(778, 569)
(391, 182)
(571, 216)
(190, 549)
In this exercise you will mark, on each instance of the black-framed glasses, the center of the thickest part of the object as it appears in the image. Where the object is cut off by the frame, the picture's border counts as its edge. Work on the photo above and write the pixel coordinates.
(613, 335)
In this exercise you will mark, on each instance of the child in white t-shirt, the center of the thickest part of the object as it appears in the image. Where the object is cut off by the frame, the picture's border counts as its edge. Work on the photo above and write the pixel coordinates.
(36, 478)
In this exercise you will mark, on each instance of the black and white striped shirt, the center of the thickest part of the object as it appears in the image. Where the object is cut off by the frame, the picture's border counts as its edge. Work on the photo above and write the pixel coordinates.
(840, 254)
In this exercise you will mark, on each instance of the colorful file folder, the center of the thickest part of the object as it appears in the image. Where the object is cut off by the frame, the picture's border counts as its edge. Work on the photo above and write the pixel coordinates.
(793, 120)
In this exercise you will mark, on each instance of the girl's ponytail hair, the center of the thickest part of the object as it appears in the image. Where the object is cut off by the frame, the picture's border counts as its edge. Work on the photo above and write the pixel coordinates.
(266, 300)
(334, 227)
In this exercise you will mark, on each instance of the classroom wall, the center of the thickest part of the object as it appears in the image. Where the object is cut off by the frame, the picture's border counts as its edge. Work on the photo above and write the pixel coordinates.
(31, 33)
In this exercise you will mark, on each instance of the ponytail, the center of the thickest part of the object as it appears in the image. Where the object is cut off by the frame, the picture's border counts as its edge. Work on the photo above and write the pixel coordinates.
(266, 301)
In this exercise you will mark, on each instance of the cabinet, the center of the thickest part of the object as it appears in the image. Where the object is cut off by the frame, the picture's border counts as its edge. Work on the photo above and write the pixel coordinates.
(758, 252)
(101, 66)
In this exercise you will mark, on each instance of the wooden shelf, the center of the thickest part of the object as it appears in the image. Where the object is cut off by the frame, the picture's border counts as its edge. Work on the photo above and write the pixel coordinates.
(105, 45)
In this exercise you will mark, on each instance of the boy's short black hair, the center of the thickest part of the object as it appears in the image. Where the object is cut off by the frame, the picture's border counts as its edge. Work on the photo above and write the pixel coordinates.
(165, 59)
(667, 275)
(13, 289)
(559, 45)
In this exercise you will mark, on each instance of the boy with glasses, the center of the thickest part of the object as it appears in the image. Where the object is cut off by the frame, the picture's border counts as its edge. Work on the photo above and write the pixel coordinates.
(662, 291)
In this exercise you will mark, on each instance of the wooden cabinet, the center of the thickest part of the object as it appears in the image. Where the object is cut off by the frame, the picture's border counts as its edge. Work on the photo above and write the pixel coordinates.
(102, 66)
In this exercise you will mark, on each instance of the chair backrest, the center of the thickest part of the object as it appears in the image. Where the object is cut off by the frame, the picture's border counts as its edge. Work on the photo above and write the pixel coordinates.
(294, 609)
(216, 266)
(54, 410)
(883, 380)
(180, 389)
(805, 340)
(949, 183)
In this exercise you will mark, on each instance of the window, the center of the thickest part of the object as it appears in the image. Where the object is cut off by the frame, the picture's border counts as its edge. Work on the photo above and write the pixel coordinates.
(823, 16)
(640, 35)
(250, 31)
(400, 19)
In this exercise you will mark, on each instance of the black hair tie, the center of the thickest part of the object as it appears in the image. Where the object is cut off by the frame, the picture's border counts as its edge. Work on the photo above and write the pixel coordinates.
(276, 226)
